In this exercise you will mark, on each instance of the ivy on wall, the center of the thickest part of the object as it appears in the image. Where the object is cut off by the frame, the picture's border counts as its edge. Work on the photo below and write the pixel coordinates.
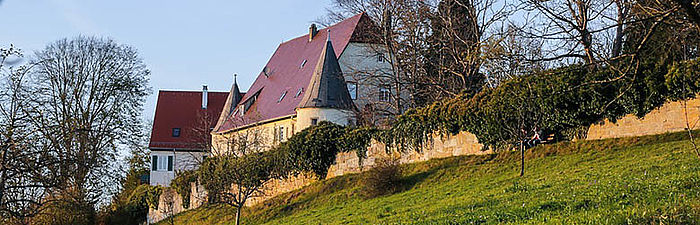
(145, 196)
(558, 102)
(182, 185)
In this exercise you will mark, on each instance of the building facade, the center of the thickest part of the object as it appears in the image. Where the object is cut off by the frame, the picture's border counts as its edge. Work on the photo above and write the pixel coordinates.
(180, 135)
(331, 74)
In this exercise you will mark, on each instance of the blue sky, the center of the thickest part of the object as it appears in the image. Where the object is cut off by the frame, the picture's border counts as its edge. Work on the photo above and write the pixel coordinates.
(184, 43)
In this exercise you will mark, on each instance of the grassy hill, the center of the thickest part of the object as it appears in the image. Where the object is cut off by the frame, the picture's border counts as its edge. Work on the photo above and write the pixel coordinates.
(641, 180)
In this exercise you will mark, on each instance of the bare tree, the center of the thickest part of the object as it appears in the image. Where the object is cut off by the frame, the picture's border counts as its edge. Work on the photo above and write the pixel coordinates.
(203, 128)
(507, 57)
(569, 26)
(435, 48)
(239, 168)
(88, 95)
(24, 162)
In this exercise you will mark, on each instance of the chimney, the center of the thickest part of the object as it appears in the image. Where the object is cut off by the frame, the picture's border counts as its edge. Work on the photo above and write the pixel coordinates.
(312, 32)
(205, 94)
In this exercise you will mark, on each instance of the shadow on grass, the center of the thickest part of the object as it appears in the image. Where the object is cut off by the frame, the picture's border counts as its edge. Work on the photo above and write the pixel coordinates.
(410, 181)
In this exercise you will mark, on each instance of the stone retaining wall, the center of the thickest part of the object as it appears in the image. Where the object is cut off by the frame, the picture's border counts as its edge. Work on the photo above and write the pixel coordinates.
(668, 118)
(346, 163)
(169, 203)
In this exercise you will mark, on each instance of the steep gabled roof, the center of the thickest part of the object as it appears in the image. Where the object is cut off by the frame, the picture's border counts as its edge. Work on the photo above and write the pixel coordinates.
(282, 83)
(327, 88)
(183, 110)
(234, 97)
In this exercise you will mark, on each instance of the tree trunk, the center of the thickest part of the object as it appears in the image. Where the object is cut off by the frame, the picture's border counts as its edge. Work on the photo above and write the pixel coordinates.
(522, 158)
(238, 215)
(619, 31)
(689, 129)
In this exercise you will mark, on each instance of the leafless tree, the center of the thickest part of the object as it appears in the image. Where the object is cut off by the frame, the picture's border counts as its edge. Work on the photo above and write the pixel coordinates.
(436, 49)
(569, 26)
(87, 96)
(238, 170)
(507, 57)
(203, 127)
(24, 162)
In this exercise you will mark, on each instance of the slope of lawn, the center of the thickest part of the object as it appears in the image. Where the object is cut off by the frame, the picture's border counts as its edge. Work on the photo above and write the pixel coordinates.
(640, 180)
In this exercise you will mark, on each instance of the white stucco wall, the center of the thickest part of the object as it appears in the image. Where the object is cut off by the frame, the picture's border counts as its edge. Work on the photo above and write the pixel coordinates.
(181, 161)
(304, 116)
(359, 64)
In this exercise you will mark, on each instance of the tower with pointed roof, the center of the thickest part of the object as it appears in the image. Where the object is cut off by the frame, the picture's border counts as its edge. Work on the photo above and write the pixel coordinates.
(326, 98)
(234, 97)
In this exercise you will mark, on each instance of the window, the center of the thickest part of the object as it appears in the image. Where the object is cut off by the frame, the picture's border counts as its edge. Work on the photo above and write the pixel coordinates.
(352, 88)
(176, 132)
(154, 163)
(282, 96)
(314, 121)
(162, 163)
(241, 109)
(302, 64)
(280, 134)
(299, 92)
(384, 94)
(380, 57)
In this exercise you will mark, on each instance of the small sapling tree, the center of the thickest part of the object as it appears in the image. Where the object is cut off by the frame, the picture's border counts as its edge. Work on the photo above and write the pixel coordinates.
(239, 169)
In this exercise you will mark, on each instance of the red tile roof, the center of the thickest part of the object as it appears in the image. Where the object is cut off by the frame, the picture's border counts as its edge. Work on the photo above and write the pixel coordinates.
(286, 75)
(183, 109)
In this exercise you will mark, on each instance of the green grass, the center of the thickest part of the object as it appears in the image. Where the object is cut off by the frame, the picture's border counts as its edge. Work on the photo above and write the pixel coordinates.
(641, 180)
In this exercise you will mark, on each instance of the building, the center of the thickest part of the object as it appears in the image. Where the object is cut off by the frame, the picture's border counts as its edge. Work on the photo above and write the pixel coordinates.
(330, 74)
(180, 134)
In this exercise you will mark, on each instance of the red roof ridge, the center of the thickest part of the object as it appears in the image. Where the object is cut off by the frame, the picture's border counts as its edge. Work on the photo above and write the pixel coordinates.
(304, 36)
(190, 91)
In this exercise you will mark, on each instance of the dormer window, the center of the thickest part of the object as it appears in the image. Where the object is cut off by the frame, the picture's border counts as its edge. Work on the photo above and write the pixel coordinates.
(282, 96)
(266, 71)
(245, 106)
(176, 132)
